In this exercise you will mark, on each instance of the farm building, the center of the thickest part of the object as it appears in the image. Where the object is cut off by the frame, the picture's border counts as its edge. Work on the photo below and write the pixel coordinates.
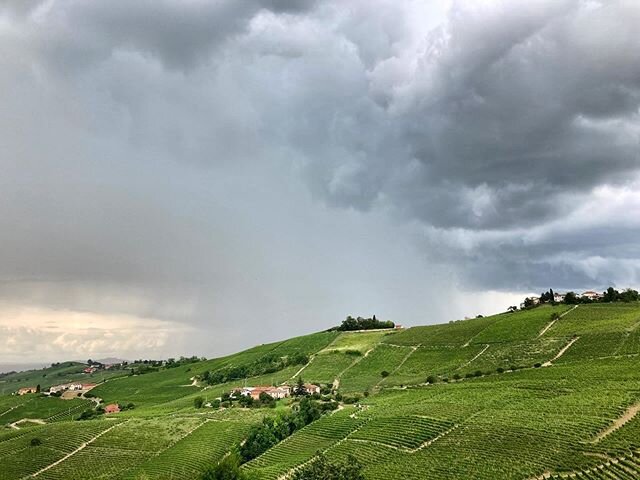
(89, 370)
(112, 408)
(591, 295)
(274, 392)
(27, 390)
(74, 387)
(311, 388)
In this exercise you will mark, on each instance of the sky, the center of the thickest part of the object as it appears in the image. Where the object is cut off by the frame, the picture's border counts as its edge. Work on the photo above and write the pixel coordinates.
(184, 177)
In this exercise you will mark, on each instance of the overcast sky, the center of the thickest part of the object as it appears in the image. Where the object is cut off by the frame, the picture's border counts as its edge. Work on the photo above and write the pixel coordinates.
(195, 177)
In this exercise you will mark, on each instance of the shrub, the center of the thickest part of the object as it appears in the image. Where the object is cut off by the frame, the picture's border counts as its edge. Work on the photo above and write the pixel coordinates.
(35, 442)
(477, 373)
(456, 376)
(537, 365)
(431, 379)
(198, 402)
(500, 370)
(353, 353)
(384, 374)
(227, 469)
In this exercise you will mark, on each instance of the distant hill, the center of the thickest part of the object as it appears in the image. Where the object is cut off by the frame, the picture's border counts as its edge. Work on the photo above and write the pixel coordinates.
(550, 392)
(20, 367)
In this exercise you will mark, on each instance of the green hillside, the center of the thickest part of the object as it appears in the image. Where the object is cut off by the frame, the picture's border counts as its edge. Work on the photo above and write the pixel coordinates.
(523, 395)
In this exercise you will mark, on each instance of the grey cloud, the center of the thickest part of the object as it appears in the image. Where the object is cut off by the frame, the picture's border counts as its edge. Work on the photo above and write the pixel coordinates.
(522, 105)
(180, 34)
(257, 169)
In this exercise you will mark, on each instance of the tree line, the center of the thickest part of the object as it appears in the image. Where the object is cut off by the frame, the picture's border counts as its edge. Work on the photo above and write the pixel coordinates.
(360, 323)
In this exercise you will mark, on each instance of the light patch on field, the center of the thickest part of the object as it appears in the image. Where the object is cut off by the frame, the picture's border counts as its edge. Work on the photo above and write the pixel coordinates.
(52, 335)
(361, 341)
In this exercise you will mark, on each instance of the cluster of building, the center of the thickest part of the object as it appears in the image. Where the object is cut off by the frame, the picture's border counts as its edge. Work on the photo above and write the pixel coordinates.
(559, 297)
(278, 392)
(72, 387)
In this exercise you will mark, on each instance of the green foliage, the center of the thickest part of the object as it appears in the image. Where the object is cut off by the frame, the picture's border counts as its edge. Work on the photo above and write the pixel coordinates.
(351, 324)
(198, 402)
(273, 430)
(35, 442)
(266, 364)
(322, 469)
(226, 469)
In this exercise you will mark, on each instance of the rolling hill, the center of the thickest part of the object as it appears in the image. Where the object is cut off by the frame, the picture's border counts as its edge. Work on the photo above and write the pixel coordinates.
(525, 395)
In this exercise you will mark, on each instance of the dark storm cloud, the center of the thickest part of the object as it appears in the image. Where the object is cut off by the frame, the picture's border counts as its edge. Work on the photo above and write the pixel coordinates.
(256, 166)
(505, 111)
(180, 34)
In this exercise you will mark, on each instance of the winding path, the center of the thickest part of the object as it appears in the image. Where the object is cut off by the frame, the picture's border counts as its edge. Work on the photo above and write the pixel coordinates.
(626, 417)
(552, 322)
(561, 352)
(486, 347)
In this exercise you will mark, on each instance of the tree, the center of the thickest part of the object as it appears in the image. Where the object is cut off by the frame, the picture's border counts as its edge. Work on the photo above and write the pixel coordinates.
(571, 298)
(299, 389)
(227, 469)
(611, 295)
(629, 295)
(198, 402)
(38, 388)
(384, 374)
(35, 442)
(511, 309)
(529, 303)
(431, 379)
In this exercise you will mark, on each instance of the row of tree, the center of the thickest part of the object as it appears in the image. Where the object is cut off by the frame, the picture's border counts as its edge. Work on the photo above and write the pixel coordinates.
(360, 323)
(267, 364)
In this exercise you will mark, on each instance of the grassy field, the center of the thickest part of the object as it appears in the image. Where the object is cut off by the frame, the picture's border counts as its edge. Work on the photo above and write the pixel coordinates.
(516, 396)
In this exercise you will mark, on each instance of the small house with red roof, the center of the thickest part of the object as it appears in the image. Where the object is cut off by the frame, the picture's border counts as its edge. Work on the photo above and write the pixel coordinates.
(112, 408)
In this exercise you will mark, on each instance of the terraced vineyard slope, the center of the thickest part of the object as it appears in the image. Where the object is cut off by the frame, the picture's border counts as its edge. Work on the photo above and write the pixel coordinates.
(521, 396)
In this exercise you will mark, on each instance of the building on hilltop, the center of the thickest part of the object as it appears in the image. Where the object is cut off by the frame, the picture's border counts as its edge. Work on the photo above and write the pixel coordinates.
(591, 295)
(559, 297)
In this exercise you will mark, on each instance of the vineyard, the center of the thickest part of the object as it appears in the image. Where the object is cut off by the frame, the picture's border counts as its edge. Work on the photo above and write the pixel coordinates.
(552, 392)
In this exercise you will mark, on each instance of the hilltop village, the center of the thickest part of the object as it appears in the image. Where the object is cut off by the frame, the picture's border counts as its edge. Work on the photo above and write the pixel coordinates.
(572, 298)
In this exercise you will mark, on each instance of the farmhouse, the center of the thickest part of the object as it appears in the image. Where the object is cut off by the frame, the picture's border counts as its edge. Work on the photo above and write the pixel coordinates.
(559, 297)
(74, 387)
(591, 295)
(311, 388)
(89, 370)
(26, 390)
(112, 408)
